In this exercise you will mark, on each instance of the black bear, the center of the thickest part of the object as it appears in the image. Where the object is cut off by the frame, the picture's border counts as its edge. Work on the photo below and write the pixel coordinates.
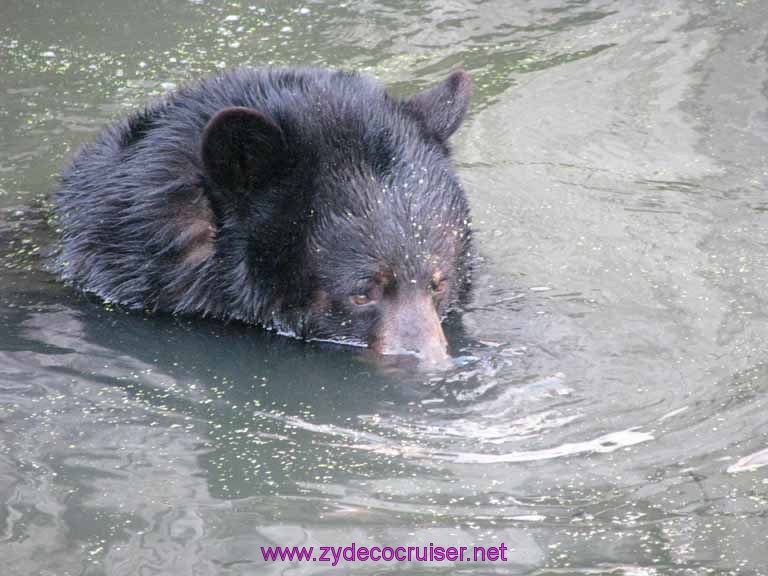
(308, 201)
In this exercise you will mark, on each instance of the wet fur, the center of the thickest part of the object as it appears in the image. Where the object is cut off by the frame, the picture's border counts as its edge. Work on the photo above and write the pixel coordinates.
(364, 184)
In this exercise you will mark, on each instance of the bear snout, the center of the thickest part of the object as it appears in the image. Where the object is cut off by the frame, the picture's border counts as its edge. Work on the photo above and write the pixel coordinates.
(411, 326)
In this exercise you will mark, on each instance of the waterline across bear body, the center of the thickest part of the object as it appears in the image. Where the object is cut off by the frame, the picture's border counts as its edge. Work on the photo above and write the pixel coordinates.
(305, 200)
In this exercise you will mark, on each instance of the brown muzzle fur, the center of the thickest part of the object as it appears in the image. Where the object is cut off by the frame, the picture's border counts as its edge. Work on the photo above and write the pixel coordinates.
(411, 325)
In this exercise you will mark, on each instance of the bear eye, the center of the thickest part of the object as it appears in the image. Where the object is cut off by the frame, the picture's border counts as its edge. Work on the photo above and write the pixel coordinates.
(438, 285)
(368, 294)
(360, 299)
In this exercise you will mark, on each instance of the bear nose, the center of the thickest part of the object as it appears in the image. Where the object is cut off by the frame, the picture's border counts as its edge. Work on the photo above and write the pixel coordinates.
(412, 326)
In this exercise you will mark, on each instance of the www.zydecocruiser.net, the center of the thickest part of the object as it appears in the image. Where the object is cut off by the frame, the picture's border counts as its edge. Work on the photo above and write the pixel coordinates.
(356, 553)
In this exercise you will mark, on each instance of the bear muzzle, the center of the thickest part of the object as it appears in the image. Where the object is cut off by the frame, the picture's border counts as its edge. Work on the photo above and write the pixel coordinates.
(411, 326)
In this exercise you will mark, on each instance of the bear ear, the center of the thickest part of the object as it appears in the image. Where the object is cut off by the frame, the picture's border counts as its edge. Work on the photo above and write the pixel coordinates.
(443, 107)
(241, 146)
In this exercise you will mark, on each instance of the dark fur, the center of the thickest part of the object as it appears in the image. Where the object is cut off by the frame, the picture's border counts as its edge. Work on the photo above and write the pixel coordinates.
(345, 186)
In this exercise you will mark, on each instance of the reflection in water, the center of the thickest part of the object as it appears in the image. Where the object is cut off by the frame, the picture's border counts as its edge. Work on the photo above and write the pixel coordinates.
(606, 414)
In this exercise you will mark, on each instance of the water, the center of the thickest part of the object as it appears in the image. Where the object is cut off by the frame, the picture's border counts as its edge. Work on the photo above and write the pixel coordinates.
(610, 413)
